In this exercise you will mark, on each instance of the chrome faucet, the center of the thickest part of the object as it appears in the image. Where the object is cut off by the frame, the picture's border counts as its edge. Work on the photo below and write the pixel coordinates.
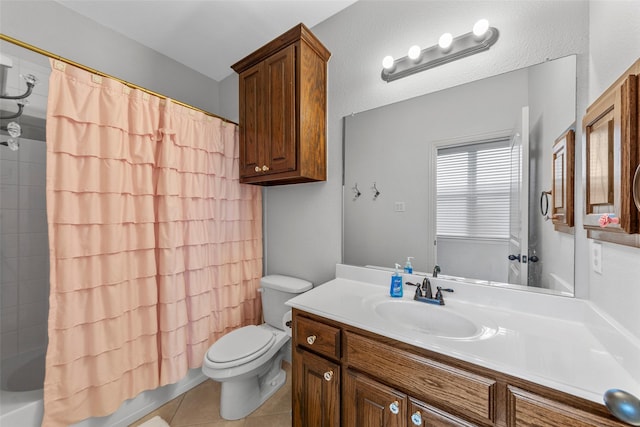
(436, 270)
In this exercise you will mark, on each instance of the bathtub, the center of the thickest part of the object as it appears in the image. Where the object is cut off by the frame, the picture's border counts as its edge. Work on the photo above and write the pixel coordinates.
(21, 380)
(26, 408)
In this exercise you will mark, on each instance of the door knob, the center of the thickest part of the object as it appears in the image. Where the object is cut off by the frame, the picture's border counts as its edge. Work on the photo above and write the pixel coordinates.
(311, 339)
(257, 169)
(514, 257)
(265, 168)
(394, 407)
(328, 375)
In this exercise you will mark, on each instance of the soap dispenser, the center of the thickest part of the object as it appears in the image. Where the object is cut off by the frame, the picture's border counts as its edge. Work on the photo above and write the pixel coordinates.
(408, 268)
(396, 283)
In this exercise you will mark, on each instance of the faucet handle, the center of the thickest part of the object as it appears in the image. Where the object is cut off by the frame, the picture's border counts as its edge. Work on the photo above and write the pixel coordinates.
(439, 296)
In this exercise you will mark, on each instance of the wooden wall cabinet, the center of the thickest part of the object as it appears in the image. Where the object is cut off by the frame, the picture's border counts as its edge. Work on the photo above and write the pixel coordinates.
(283, 98)
(346, 376)
(611, 133)
(562, 200)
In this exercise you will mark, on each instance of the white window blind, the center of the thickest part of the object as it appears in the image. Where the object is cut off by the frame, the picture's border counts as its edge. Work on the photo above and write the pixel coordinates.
(473, 190)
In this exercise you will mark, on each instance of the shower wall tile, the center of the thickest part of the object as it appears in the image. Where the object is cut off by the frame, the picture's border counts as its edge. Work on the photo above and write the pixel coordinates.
(33, 314)
(9, 344)
(6, 154)
(9, 295)
(33, 291)
(32, 338)
(32, 197)
(9, 196)
(9, 245)
(8, 172)
(8, 270)
(32, 221)
(33, 268)
(31, 244)
(9, 317)
(32, 151)
(32, 174)
(8, 220)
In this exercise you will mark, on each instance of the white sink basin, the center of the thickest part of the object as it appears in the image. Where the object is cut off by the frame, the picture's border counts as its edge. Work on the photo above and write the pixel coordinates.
(431, 319)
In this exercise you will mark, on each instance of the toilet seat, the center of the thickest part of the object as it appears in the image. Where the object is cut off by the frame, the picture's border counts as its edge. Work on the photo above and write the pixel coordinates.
(240, 346)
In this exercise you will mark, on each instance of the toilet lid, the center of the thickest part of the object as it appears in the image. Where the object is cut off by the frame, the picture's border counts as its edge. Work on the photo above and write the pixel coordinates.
(249, 341)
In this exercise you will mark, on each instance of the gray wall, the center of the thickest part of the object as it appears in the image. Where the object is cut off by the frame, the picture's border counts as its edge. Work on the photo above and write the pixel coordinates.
(49, 26)
(303, 222)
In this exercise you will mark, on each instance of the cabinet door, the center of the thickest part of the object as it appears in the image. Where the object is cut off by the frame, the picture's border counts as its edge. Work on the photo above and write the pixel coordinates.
(423, 415)
(316, 388)
(610, 130)
(368, 403)
(280, 138)
(252, 121)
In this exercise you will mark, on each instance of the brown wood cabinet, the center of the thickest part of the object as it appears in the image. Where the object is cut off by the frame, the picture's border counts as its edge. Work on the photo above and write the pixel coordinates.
(283, 97)
(346, 376)
(611, 133)
(563, 182)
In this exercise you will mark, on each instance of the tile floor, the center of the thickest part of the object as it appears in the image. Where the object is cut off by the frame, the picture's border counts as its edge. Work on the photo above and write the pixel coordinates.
(200, 407)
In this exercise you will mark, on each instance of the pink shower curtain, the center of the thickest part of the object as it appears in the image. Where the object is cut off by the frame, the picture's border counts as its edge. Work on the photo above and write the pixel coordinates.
(155, 247)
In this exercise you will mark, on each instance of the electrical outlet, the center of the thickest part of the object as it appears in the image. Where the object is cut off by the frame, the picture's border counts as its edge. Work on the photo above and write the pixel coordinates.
(399, 207)
(596, 257)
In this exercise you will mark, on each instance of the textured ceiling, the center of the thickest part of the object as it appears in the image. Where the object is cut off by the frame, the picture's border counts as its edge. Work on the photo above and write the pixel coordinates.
(205, 35)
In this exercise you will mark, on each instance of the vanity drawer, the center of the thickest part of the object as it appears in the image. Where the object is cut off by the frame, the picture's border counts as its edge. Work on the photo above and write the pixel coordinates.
(318, 337)
(426, 379)
(525, 409)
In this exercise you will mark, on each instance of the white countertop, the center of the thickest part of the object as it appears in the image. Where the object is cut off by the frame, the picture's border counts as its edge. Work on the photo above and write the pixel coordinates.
(559, 342)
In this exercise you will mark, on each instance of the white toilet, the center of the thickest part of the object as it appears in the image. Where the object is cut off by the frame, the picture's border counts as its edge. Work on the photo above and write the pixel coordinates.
(248, 361)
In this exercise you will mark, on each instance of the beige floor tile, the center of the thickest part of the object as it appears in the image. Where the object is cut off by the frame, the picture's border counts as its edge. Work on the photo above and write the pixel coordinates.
(165, 412)
(200, 405)
(278, 420)
(280, 402)
(219, 423)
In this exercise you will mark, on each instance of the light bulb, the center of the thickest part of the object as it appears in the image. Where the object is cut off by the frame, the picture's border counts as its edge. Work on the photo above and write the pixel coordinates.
(414, 52)
(445, 41)
(480, 28)
(388, 62)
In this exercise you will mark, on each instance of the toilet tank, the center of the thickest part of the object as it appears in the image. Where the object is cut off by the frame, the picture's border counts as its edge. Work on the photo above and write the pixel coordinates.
(276, 290)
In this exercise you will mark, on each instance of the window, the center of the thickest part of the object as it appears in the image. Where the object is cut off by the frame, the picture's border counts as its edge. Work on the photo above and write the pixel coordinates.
(473, 190)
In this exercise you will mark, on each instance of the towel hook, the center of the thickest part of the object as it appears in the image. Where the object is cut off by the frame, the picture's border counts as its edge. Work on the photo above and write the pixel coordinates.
(356, 192)
(376, 192)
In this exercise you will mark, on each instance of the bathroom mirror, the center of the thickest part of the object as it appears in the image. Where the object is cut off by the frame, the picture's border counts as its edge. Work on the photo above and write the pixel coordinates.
(456, 178)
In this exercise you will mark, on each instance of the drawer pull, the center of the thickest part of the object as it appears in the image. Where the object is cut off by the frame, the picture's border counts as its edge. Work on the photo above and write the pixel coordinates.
(416, 418)
(311, 339)
(328, 375)
(394, 407)
(257, 169)
(265, 168)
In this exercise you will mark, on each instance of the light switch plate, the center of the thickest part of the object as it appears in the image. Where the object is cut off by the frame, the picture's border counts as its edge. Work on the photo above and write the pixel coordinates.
(596, 257)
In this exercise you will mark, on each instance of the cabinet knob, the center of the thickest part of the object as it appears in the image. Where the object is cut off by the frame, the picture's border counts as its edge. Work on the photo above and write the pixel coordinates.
(416, 418)
(328, 375)
(257, 169)
(394, 407)
(311, 339)
(265, 168)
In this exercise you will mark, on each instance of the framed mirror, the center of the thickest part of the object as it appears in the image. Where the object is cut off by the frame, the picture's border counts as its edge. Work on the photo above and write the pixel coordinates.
(489, 228)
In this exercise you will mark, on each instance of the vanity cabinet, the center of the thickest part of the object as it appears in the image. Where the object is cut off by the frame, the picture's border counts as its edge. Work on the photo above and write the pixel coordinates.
(282, 103)
(347, 376)
(611, 134)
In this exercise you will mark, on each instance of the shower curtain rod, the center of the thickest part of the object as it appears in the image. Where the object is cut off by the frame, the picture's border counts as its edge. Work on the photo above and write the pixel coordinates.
(100, 73)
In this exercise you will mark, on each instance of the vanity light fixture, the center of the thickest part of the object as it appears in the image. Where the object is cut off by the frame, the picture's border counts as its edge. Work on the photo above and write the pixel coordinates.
(448, 49)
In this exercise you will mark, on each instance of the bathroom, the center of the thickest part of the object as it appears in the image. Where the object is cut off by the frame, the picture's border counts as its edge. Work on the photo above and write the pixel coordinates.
(303, 223)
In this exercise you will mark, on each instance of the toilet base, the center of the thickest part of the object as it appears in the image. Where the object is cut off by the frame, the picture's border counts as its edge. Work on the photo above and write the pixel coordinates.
(240, 398)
